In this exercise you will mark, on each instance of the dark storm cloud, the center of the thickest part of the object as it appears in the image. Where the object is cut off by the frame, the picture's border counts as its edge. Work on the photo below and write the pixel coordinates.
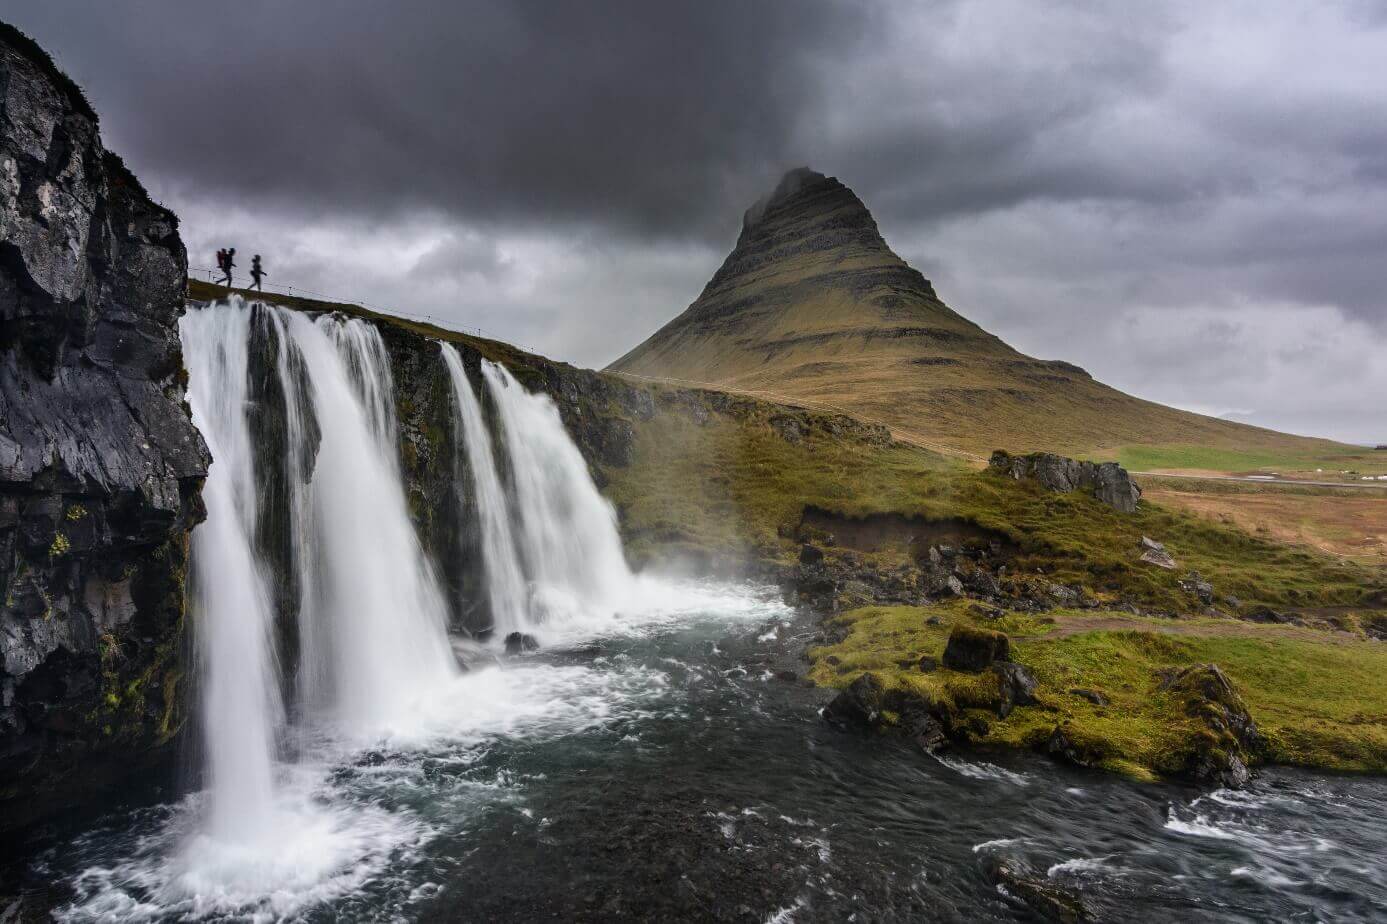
(1188, 198)
(627, 114)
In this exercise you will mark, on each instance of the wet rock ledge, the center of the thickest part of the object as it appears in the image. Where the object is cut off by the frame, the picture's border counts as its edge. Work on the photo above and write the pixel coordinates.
(100, 465)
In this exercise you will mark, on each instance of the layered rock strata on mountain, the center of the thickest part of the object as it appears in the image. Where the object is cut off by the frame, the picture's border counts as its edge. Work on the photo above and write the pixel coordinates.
(100, 465)
(812, 305)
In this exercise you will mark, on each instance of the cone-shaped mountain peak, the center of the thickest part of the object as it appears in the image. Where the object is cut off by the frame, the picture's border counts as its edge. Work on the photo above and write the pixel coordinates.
(812, 305)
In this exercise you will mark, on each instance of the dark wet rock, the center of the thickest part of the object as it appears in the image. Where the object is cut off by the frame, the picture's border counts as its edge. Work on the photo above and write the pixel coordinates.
(1016, 686)
(925, 729)
(973, 650)
(860, 705)
(1039, 894)
(1093, 696)
(100, 465)
(1066, 745)
(981, 582)
(810, 555)
(927, 665)
(1229, 740)
(786, 676)
(520, 643)
(1107, 481)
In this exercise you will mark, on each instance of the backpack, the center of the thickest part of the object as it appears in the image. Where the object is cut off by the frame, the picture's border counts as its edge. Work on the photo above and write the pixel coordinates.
(221, 259)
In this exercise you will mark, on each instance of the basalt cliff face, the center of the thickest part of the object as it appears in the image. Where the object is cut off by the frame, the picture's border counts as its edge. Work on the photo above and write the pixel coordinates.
(812, 305)
(100, 465)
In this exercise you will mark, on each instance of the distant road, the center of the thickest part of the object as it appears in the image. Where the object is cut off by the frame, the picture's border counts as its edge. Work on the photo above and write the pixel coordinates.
(1252, 479)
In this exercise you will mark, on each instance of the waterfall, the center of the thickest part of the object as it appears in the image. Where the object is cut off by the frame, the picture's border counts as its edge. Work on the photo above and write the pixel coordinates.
(372, 616)
(568, 537)
(232, 614)
(506, 588)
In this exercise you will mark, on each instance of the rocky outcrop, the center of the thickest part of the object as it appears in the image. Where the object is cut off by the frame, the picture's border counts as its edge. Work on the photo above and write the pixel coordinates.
(100, 466)
(1227, 740)
(1107, 481)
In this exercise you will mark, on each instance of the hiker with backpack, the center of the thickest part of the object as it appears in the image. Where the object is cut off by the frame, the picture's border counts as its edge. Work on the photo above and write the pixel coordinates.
(225, 261)
(256, 272)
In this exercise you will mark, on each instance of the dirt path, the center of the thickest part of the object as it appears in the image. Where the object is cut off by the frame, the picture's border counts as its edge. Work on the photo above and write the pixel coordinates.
(1066, 626)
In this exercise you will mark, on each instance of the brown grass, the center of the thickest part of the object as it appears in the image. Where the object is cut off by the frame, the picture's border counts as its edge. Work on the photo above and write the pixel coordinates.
(1352, 526)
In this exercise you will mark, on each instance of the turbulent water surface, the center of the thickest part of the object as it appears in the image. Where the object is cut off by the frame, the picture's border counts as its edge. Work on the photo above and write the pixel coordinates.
(661, 770)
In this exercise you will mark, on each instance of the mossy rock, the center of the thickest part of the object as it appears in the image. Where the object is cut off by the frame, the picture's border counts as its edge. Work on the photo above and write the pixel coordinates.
(973, 649)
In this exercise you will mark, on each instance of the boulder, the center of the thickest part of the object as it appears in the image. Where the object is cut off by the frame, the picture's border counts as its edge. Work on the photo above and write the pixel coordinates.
(1044, 899)
(1158, 557)
(1016, 686)
(520, 642)
(974, 650)
(810, 554)
(1229, 740)
(1195, 584)
(1107, 481)
(859, 706)
(1093, 696)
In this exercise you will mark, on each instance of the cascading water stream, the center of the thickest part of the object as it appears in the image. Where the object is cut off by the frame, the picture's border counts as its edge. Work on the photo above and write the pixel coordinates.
(568, 537)
(374, 640)
(506, 588)
(233, 616)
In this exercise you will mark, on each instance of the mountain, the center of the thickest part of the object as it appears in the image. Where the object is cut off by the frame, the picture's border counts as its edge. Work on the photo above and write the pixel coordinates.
(813, 306)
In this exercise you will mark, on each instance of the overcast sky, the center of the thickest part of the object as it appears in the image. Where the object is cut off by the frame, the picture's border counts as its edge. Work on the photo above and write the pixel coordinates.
(1188, 199)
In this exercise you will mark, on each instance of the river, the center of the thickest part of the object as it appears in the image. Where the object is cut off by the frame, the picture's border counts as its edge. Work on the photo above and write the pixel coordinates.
(661, 770)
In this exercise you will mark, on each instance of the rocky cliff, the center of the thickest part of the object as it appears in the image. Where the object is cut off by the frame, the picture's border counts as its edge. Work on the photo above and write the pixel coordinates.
(100, 465)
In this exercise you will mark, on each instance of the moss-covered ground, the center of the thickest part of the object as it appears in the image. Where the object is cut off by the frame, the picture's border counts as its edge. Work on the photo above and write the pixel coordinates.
(739, 485)
(1319, 698)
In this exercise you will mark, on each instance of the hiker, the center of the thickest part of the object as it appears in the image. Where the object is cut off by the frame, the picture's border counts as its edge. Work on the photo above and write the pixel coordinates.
(228, 261)
(256, 272)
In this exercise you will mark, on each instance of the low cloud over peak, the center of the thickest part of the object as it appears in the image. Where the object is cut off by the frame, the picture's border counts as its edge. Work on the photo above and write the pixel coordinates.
(1189, 199)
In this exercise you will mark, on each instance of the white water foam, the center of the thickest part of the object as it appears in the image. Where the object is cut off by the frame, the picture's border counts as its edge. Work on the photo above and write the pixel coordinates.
(982, 770)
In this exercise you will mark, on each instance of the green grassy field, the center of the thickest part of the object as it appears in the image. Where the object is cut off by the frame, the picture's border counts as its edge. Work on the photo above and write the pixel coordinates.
(1362, 461)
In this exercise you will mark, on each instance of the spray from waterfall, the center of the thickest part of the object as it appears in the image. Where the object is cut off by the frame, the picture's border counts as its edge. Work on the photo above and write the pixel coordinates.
(567, 536)
(506, 588)
(232, 613)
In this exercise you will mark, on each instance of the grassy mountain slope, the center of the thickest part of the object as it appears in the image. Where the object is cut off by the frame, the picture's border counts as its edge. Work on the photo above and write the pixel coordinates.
(812, 305)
